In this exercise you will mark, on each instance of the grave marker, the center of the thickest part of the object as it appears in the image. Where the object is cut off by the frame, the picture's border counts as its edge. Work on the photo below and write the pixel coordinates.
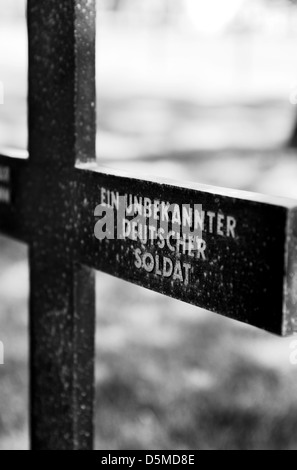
(243, 265)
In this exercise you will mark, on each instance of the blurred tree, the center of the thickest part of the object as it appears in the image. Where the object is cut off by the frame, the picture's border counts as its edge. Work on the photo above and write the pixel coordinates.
(293, 138)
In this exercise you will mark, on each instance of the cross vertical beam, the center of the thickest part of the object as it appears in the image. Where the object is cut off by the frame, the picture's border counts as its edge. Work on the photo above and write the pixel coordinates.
(62, 298)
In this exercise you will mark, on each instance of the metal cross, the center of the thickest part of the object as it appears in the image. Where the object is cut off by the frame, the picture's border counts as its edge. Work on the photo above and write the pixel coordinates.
(246, 270)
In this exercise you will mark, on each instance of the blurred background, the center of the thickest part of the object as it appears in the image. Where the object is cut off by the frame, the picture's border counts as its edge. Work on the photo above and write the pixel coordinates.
(200, 90)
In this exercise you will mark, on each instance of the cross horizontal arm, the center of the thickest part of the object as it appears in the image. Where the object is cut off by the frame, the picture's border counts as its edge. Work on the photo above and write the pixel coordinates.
(14, 185)
(241, 261)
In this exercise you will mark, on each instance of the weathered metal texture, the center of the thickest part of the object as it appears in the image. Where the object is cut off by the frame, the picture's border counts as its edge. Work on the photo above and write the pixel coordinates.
(290, 278)
(61, 130)
(249, 274)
